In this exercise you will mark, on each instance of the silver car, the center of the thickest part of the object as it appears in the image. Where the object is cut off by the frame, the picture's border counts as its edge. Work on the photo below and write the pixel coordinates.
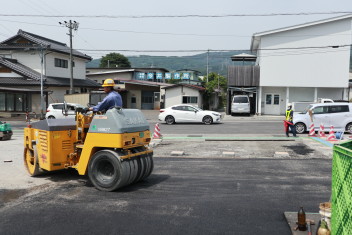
(240, 104)
(338, 115)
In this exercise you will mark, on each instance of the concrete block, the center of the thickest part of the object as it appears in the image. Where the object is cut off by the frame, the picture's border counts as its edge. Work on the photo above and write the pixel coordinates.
(228, 154)
(281, 154)
(177, 153)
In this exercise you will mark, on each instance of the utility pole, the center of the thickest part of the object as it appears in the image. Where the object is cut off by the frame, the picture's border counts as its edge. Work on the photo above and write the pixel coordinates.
(71, 26)
(207, 66)
(41, 82)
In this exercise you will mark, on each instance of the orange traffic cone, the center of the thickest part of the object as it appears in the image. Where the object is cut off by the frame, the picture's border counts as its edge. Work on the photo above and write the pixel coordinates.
(311, 130)
(157, 133)
(322, 131)
(331, 136)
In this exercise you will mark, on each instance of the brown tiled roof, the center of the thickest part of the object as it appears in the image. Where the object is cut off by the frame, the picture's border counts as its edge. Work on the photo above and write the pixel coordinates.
(39, 41)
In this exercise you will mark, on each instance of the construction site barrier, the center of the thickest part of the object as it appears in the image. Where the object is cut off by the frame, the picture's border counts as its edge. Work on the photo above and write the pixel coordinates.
(341, 200)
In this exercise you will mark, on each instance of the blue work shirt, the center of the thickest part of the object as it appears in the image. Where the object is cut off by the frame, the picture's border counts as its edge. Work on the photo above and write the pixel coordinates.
(111, 100)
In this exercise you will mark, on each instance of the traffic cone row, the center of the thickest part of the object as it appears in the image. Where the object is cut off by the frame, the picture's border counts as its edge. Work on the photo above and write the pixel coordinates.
(157, 133)
(321, 132)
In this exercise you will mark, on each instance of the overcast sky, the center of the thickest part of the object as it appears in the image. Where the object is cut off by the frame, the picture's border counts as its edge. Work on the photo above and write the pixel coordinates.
(191, 33)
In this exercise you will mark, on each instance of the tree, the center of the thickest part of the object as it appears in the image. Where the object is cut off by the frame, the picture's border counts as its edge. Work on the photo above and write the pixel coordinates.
(113, 60)
(216, 82)
(215, 88)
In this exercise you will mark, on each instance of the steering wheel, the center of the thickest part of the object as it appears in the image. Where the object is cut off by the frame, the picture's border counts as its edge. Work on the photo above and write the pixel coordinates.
(90, 105)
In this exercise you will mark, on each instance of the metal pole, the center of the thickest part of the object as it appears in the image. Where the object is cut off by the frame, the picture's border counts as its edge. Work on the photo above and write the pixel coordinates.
(71, 60)
(208, 65)
(41, 83)
(71, 25)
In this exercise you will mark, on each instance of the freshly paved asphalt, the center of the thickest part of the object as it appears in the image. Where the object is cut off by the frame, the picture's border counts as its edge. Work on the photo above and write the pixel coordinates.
(182, 196)
(199, 193)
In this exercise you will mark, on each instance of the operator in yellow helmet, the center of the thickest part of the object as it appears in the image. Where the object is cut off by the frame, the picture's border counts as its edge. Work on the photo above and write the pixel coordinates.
(113, 98)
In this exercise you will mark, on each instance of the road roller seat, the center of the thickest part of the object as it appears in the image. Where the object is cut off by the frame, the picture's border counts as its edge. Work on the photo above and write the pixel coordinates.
(55, 124)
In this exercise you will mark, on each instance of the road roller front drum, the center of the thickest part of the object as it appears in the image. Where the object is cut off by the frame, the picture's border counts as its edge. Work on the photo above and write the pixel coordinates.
(108, 171)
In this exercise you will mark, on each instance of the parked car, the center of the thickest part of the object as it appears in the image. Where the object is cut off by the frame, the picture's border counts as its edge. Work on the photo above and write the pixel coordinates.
(338, 115)
(188, 113)
(240, 104)
(55, 110)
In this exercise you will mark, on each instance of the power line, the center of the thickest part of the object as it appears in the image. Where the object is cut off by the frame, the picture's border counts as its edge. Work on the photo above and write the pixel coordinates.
(174, 34)
(181, 16)
(220, 50)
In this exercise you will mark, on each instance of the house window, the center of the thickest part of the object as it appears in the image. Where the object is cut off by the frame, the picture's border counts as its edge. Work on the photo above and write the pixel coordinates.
(13, 102)
(2, 102)
(61, 63)
(190, 100)
(10, 102)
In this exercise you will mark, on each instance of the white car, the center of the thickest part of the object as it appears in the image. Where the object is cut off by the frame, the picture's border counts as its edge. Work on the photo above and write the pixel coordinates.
(55, 110)
(188, 113)
(338, 115)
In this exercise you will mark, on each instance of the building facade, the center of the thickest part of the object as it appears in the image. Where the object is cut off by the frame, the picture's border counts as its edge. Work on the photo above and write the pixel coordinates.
(303, 63)
(26, 59)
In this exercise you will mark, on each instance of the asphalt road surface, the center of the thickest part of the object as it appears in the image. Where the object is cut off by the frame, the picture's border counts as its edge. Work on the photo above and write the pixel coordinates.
(238, 127)
(182, 196)
(230, 125)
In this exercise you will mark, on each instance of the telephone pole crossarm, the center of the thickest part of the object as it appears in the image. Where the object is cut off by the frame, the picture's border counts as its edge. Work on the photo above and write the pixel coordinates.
(71, 26)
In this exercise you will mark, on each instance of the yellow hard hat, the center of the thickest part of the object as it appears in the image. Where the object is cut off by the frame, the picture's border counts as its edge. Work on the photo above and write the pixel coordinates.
(108, 82)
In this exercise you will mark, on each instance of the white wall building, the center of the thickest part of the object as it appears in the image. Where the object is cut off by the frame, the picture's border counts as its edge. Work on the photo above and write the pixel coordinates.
(184, 94)
(303, 63)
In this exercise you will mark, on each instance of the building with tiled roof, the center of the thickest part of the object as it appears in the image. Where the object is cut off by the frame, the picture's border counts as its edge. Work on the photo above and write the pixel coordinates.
(22, 70)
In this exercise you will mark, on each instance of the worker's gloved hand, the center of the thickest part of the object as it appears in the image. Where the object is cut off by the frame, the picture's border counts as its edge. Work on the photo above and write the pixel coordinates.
(85, 110)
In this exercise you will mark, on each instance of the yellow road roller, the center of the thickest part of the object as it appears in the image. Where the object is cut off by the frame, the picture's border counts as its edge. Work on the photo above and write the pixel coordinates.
(111, 147)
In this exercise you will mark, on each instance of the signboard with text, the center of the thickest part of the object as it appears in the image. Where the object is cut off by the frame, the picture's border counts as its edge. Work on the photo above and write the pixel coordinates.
(186, 76)
(159, 75)
(167, 75)
(177, 76)
(150, 75)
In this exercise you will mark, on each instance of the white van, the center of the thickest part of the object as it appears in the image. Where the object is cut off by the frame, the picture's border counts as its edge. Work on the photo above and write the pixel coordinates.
(240, 104)
(338, 115)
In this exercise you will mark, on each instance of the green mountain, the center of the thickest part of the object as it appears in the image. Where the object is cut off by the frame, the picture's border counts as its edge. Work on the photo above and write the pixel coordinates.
(217, 61)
